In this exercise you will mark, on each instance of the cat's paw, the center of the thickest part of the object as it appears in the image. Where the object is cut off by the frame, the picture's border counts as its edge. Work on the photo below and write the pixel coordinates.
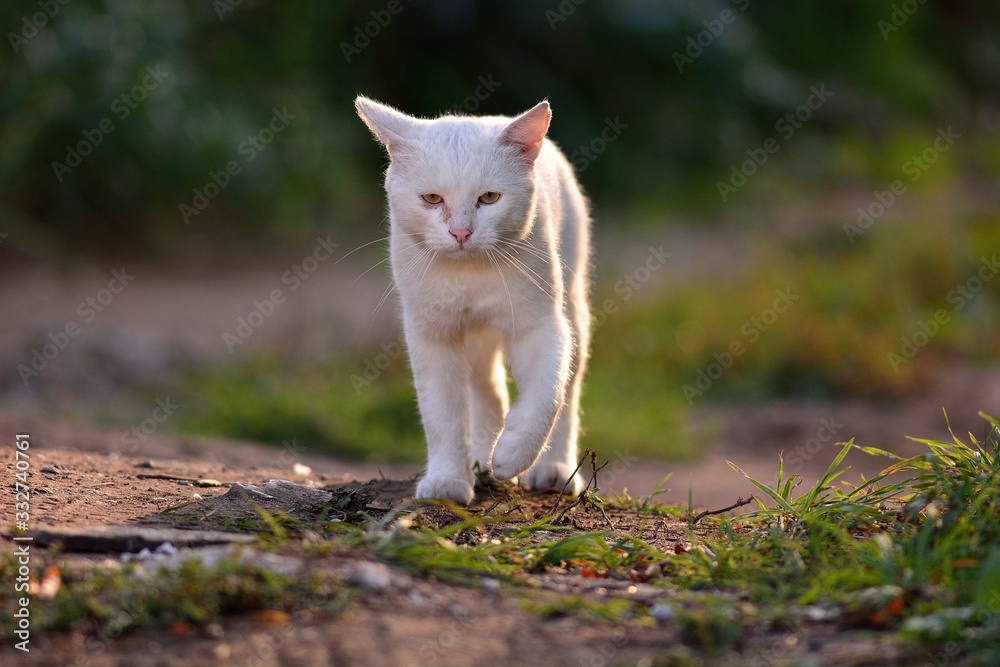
(552, 475)
(443, 487)
(511, 457)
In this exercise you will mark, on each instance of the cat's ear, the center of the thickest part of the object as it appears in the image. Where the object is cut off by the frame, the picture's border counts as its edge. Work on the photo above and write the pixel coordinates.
(392, 128)
(526, 132)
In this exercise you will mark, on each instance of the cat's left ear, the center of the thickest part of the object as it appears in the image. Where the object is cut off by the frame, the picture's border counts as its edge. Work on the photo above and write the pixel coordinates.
(526, 132)
(391, 127)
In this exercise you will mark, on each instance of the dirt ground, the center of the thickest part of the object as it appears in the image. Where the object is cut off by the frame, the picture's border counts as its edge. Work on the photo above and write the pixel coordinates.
(410, 621)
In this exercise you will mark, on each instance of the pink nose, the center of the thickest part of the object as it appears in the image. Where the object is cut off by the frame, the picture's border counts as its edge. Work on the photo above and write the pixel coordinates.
(461, 235)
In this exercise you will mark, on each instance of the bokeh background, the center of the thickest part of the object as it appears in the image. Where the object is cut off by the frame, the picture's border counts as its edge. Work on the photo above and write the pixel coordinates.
(844, 155)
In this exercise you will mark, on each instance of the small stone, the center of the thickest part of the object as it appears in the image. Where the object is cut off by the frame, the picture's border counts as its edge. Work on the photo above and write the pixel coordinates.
(52, 470)
(662, 612)
(166, 548)
(300, 469)
(208, 482)
(372, 576)
(491, 586)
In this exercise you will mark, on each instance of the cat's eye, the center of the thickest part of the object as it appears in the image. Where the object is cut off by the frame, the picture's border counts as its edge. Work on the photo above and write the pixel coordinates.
(489, 198)
(432, 198)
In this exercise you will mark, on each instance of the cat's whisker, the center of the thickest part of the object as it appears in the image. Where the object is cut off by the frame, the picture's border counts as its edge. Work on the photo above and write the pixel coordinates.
(524, 269)
(380, 262)
(364, 245)
(392, 284)
(496, 264)
(385, 297)
(525, 246)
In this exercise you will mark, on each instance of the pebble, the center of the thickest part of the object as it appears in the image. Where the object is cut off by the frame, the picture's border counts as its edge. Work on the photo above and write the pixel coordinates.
(491, 586)
(662, 612)
(372, 576)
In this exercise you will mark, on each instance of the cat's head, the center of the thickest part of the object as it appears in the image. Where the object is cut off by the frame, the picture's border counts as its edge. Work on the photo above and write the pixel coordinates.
(458, 185)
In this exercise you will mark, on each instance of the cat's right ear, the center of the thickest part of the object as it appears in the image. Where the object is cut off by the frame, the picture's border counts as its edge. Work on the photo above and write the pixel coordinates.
(392, 128)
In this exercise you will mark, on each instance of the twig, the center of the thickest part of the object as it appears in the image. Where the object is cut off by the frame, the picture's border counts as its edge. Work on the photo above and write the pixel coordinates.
(157, 475)
(179, 478)
(739, 503)
(584, 497)
(572, 475)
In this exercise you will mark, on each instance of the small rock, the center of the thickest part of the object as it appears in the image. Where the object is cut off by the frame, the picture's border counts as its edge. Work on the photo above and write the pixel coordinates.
(662, 612)
(52, 470)
(144, 464)
(208, 482)
(372, 576)
(300, 469)
(166, 548)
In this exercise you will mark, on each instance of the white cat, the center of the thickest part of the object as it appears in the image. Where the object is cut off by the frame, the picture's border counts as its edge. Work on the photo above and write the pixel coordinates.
(490, 246)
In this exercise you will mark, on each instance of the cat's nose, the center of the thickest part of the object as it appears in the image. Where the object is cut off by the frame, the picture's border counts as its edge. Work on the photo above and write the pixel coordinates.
(461, 235)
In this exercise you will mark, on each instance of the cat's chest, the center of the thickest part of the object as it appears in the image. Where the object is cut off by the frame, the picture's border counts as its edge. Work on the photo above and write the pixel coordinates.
(448, 301)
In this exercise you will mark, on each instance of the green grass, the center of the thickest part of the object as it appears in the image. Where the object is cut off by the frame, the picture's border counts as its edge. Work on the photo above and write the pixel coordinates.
(271, 400)
(852, 304)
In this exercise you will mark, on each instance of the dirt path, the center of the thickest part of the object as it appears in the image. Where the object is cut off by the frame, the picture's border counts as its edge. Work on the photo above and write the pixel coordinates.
(403, 620)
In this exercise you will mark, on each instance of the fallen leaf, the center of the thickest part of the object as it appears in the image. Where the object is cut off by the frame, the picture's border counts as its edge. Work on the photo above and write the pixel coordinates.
(271, 617)
(178, 628)
(51, 581)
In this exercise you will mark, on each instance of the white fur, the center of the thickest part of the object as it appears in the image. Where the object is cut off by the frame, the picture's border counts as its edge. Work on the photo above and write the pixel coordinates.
(516, 288)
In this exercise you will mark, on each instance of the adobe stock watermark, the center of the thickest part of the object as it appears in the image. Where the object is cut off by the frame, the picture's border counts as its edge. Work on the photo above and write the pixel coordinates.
(223, 7)
(138, 434)
(364, 34)
(605, 652)
(486, 87)
(87, 310)
(951, 650)
(926, 329)
(751, 330)
(431, 652)
(563, 11)
(30, 25)
(900, 14)
(825, 434)
(372, 367)
(121, 108)
(914, 168)
(583, 156)
(695, 45)
(630, 283)
(294, 278)
(248, 149)
(785, 128)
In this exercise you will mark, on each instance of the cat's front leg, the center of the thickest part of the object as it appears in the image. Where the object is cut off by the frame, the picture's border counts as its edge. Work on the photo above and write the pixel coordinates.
(540, 362)
(439, 373)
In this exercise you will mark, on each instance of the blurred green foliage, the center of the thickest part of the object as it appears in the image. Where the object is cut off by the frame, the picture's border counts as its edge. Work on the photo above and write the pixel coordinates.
(116, 115)
(693, 102)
